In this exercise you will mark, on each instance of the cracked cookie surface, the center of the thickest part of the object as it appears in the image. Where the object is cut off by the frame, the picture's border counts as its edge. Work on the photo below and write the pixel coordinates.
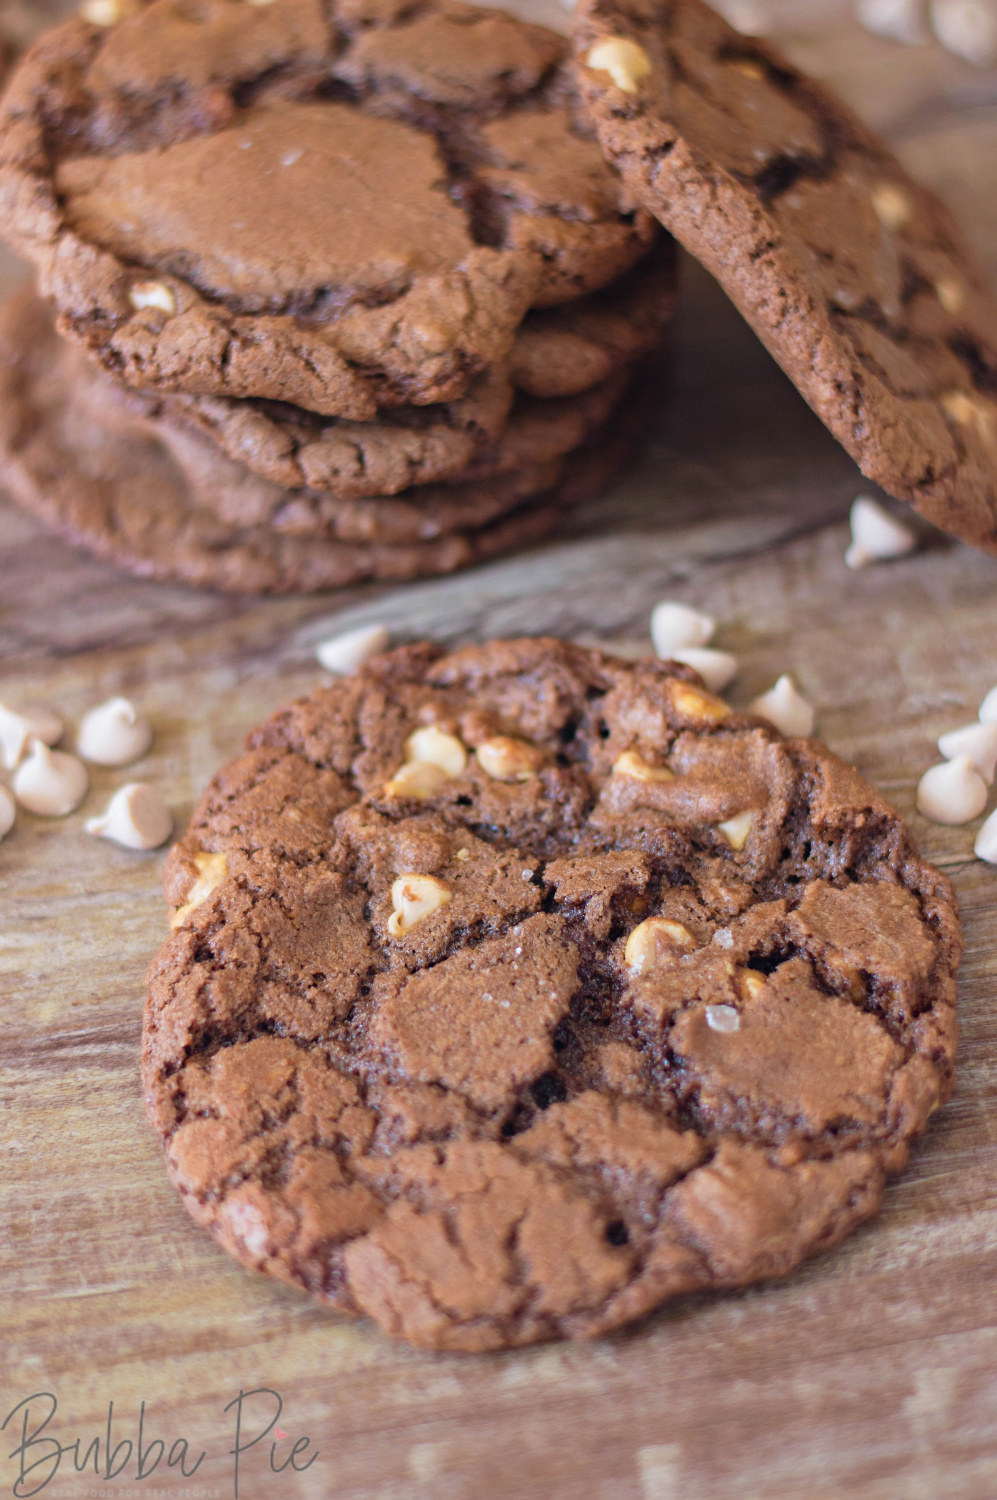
(853, 275)
(343, 206)
(513, 991)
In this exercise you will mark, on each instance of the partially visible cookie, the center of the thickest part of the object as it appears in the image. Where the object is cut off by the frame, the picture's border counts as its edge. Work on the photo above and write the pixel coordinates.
(514, 991)
(343, 206)
(295, 448)
(242, 501)
(354, 461)
(563, 351)
(854, 276)
(164, 504)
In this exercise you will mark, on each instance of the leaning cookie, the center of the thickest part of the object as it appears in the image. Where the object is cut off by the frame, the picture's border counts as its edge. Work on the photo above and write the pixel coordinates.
(854, 276)
(515, 991)
(345, 206)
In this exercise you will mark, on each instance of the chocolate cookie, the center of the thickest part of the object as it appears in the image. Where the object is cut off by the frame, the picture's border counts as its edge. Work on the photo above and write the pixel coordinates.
(352, 461)
(578, 350)
(855, 277)
(344, 206)
(148, 498)
(242, 500)
(563, 351)
(514, 991)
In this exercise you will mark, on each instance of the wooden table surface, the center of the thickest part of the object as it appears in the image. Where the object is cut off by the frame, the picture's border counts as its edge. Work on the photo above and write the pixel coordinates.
(872, 1373)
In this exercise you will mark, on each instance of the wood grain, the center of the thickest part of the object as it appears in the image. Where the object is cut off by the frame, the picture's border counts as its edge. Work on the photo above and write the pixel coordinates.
(870, 1373)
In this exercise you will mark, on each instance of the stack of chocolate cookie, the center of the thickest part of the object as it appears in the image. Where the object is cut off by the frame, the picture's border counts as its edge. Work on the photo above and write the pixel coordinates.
(342, 290)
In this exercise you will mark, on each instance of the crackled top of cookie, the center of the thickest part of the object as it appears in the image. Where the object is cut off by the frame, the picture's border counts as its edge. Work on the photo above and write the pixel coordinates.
(854, 276)
(344, 206)
(513, 991)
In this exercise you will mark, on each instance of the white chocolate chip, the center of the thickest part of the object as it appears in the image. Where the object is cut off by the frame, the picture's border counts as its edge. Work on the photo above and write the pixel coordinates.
(108, 12)
(506, 759)
(624, 61)
(419, 779)
(212, 869)
(7, 812)
(968, 28)
(749, 983)
(631, 764)
(985, 846)
(716, 668)
(786, 708)
(693, 703)
(155, 294)
(951, 294)
(347, 653)
(736, 830)
(952, 793)
(900, 20)
(413, 899)
(970, 411)
(749, 68)
(655, 942)
(893, 206)
(114, 734)
(960, 407)
(876, 534)
(979, 742)
(136, 818)
(988, 708)
(431, 746)
(722, 1018)
(749, 17)
(675, 626)
(16, 729)
(50, 783)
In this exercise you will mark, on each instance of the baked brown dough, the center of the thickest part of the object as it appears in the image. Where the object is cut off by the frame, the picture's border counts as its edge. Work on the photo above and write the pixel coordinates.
(578, 351)
(343, 205)
(854, 276)
(165, 503)
(619, 996)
